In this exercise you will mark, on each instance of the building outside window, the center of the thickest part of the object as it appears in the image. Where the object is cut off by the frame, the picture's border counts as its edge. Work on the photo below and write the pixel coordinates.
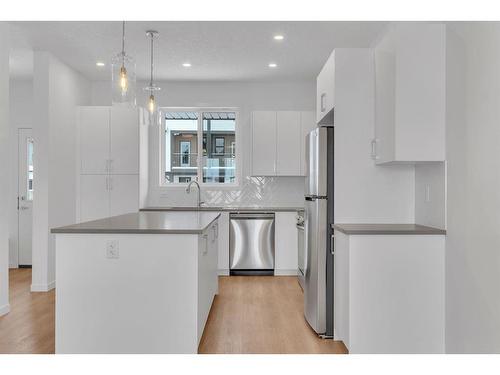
(211, 160)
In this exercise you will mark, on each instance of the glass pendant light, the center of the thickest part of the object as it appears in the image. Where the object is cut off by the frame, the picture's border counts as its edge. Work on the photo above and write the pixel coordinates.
(123, 78)
(152, 104)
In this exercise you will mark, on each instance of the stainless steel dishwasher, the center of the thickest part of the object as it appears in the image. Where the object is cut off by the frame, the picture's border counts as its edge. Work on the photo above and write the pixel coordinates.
(251, 243)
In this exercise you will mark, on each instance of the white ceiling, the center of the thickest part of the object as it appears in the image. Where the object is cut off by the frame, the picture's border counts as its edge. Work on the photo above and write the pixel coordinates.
(237, 51)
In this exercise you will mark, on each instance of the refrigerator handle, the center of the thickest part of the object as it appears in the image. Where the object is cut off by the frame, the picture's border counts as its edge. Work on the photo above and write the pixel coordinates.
(332, 244)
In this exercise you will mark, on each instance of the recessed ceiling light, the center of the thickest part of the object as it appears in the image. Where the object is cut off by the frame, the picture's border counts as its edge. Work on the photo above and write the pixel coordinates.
(100, 64)
(186, 65)
(279, 37)
(273, 65)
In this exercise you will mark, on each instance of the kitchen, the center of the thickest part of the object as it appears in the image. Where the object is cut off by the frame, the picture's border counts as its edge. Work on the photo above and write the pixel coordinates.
(201, 209)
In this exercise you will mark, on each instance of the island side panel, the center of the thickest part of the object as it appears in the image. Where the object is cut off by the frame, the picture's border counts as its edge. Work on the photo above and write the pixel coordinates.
(208, 280)
(145, 301)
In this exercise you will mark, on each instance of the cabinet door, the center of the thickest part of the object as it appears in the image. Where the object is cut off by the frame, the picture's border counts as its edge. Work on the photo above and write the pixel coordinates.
(124, 194)
(93, 127)
(94, 197)
(307, 123)
(385, 70)
(124, 149)
(325, 91)
(288, 143)
(264, 143)
(286, 256)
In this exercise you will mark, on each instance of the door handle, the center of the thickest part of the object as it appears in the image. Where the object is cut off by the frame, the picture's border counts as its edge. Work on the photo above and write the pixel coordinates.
(23, 208)
(332, 245)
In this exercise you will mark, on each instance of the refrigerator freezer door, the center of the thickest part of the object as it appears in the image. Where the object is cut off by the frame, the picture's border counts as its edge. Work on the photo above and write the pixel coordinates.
(315, 264)
(316, 154)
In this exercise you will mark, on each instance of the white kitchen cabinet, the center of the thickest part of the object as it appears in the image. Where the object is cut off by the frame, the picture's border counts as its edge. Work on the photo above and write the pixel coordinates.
(93, 126)
(286, 246)
(93, 197)
(124, 145)
(223, 239)
(108, 159)
(389, 293)
(288, 143)
(264, 143)
(410, 102)
(307, 123)
(278, 142)
(123, 194)
(325, 92)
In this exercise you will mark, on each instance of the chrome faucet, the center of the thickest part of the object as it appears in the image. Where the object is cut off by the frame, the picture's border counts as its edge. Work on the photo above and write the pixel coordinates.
(188, 190)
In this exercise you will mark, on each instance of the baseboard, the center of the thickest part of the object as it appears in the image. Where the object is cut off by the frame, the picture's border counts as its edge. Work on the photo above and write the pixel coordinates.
(4, 309)
(43, 287)
(285, 272)
(223, 272)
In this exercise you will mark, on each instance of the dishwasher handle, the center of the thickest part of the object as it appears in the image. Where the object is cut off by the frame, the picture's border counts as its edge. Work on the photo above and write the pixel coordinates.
(252, 216)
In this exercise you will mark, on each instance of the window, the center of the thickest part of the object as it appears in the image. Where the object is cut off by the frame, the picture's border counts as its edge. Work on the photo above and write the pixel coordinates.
(194, 147)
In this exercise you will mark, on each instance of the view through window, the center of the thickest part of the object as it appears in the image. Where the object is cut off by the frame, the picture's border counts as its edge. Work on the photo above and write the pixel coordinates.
(200, 146)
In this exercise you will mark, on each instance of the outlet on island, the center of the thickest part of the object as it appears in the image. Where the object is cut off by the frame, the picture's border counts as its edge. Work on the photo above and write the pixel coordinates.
(112, 249)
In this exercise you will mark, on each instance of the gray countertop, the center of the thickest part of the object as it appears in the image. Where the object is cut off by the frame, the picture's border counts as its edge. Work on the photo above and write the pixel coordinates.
(360, 229)
(161, 222)
(224, 208)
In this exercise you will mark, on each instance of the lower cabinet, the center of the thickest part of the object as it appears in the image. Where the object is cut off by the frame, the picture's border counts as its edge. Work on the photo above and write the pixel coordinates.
(223, 238)
(285, 244)
(389, 293)
(101, 196)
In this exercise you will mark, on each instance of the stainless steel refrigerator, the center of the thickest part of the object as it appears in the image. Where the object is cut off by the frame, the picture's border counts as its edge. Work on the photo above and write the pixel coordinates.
(318, 288)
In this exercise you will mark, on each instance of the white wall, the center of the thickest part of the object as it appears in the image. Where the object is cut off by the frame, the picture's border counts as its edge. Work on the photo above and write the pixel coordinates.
(277, 191)
(21, 116)
(430, 194)
(4, 166)
(58, 89)
(473, 235)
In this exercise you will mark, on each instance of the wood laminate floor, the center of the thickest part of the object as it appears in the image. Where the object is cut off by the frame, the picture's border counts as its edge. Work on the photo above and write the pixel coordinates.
(29, 327)
(261, 314)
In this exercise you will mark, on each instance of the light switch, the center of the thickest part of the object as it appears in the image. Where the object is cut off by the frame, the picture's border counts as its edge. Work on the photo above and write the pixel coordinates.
(112, 249)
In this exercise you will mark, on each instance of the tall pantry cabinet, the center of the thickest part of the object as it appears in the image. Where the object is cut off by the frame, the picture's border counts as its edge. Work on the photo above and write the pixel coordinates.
(108, 159)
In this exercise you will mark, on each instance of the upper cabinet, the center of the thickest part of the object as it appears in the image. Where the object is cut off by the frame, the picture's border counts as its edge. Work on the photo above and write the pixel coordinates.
(410, 94)
(278, 142)
(325, 92)
(264, 143)
(108, 140)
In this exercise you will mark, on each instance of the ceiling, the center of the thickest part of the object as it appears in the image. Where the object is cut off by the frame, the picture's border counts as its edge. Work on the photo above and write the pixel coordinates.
(227, 51)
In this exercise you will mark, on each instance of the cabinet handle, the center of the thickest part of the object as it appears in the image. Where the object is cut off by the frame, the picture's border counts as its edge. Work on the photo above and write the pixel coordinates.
(374, 149)
(111, 165)
(107, 183)
(216, 230)
(106, 166)
(322, 102)
(110, 183)
(205, 249)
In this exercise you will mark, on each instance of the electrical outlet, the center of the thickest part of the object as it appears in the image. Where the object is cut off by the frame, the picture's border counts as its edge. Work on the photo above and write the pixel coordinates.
(427, 193)
(112, 249)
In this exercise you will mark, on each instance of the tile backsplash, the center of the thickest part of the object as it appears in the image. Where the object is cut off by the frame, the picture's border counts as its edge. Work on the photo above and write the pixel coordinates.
(253, 191)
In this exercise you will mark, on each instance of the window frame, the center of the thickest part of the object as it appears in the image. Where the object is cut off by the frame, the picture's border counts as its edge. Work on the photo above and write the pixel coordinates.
(199, 173)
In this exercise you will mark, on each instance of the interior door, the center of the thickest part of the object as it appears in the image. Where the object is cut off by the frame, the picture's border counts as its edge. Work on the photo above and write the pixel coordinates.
(25, 196)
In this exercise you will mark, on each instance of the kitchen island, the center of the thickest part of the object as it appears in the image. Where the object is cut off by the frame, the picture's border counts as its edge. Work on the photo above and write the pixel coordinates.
(136, 283)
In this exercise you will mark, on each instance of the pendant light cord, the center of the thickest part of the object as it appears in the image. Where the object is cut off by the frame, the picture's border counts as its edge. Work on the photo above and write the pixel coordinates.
(123, 43)
(152, 59)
